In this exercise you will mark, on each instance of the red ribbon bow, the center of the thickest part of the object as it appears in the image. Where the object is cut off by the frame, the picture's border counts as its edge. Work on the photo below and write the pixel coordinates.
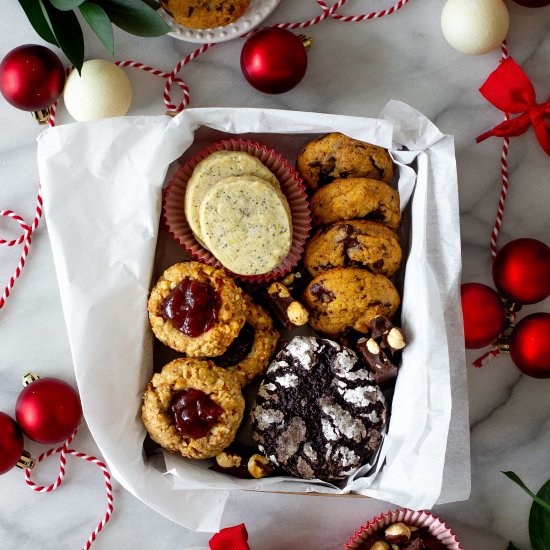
(232, 538)
(509, 89)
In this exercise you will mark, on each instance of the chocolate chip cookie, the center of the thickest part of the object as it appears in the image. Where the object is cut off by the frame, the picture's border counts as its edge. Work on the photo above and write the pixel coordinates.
(205, 14)
(193, 407)
(196, 309)
(356, 198)
(348, 297)
(338, 156)
(354, 243)
(318, 413)
(249, 354)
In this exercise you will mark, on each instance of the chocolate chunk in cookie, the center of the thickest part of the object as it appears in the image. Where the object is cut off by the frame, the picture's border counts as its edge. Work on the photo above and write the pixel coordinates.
(354, 243)
(318, 413)
(338, 156)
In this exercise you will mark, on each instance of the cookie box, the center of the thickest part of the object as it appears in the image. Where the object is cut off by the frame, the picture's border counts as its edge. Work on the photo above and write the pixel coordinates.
(114, 249)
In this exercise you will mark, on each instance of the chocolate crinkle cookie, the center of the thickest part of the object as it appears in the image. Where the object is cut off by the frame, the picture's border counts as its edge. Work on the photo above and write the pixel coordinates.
(318, 413)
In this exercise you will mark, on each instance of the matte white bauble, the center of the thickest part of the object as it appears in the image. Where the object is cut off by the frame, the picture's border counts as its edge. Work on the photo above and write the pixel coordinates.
(102, 90)
(475, 27)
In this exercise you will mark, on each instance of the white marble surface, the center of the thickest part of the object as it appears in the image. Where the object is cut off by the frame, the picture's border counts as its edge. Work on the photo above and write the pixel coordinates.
(353, 69)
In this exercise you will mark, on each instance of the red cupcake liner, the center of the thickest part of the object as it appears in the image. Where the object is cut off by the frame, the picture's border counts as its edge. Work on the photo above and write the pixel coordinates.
(421, 518)
(291, 187)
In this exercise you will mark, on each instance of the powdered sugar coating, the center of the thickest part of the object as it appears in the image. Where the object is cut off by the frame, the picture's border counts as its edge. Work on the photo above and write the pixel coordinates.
(332, 411)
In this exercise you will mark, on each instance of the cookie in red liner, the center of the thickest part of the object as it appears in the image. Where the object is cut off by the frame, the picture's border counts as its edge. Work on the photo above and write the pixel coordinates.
(434, 526)
(290, 184)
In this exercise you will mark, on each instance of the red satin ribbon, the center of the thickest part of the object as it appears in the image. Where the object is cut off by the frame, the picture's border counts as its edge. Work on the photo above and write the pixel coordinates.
(509, 89)
(232, 538)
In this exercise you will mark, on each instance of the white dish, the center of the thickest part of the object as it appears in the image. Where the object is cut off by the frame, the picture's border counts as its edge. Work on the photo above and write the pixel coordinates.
(256, 13)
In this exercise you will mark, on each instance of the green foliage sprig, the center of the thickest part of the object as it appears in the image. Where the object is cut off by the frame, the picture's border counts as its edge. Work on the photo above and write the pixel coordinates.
(539, 517)
(56, 22)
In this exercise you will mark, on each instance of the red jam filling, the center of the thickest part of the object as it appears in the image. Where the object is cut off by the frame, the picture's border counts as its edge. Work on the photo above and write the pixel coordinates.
(194, 413)
(192, 307)
(239, 348)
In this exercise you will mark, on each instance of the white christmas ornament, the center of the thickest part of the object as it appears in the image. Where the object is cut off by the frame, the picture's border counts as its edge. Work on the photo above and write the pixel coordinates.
(475, 27)
(102, 90)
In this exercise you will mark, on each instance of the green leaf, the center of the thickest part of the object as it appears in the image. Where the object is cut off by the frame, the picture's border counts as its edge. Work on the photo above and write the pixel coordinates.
(99, 22)
(35, 14)
(515, 478)
(511, 546)
(135, 17)
(65, 5)
(68, 34)
(539, 520)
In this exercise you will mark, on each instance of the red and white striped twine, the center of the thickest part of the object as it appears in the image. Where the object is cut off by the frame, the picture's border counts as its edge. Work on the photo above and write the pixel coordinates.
(495, 350)
(504, 175)
(25, 237)
(63, 451)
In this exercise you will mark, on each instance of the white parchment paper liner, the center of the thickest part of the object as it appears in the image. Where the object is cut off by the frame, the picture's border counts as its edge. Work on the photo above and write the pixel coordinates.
(102, 186)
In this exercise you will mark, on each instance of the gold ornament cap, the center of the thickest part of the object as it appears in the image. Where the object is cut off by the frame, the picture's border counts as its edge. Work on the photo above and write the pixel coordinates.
(29, 378)
(307, 41)
(42, 116)
(26, 461)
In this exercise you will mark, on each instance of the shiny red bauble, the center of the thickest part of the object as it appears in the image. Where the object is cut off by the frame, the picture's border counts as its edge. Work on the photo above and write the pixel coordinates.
(273, 60)
(521, 271)
(530, 345)
(483, 313)
(31, 77)
(11, 443)
(48, 410)
(533, 3)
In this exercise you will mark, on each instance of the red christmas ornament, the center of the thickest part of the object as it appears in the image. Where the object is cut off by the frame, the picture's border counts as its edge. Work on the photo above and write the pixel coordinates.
(31, 77)
(274, 60)
(48, 410)
(530, 345)
(521, 271)
(483, 313)
(11, 443)
(533, 3)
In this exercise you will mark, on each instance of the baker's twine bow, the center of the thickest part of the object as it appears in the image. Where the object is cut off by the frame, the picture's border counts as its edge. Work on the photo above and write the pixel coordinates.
(63, 451)
(509, 89)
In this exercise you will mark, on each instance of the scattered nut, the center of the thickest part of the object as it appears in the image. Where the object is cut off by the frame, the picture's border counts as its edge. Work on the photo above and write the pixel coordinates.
(259, 466)
(397, 532)
(297, 314)
(395, 339)
(380, 545)
(228, 460)
(372, 346)
(279, 289)
(412, 528)
(394, 547)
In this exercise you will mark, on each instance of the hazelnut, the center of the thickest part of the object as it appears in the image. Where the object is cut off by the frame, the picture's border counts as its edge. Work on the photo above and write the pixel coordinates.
(279, 289)
(380, 545)
(259, 466)
(394, 547)
(397, 532)
(297, 314)
(228, 460)
(412, 528)
(373, 346)
(289, 279)
(395, 339)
